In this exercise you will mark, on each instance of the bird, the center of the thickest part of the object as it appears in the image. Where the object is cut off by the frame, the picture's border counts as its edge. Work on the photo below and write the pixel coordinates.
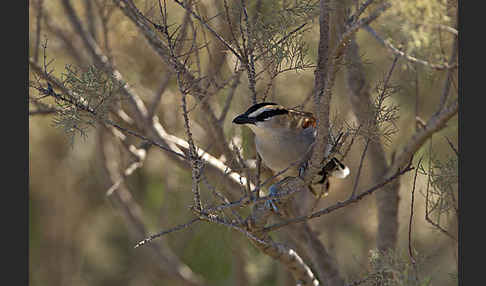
(284, 139)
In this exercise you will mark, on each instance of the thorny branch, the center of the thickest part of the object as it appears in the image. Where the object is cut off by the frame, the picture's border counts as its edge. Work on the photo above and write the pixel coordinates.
(194, 89)
(188, 151)
(195, 161)
(339, 205)
(172, 144)
(176, 228)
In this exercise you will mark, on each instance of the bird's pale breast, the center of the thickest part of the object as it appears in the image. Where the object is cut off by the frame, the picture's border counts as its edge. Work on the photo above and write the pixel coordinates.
(280, 150)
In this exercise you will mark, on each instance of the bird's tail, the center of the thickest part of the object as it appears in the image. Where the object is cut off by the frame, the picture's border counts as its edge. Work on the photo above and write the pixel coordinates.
(335, 168)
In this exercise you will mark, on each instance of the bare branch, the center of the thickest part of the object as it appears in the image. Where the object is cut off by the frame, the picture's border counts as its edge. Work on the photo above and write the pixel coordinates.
(339, 205)
(410, 252)
(158, 95)
(39, 16)
(229, 97)
(141, 111)
(193, 157)
(406, 56)
(362, 8)
(285, 255)
(450, 73)
(86, 108)
(321, 98)
(178, 144)
(248, 49)
(326, 74)
(173, 229)
(452, 147)
(176, 66)
(139, 155)
(283, 39)
(434, 124)
(205, 24)
(355, 186)
(301, 272)
(65, 37)
(131, 211)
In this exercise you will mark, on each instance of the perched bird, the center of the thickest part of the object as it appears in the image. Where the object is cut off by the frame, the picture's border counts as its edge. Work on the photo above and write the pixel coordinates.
(284, 139)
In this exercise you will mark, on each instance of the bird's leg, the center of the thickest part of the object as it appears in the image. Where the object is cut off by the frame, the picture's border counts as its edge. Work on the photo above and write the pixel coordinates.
(303, 168)
(270, 203)
(275, 195)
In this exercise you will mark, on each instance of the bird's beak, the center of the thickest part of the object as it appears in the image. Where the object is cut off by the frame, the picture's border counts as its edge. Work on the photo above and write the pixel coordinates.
(243, 119)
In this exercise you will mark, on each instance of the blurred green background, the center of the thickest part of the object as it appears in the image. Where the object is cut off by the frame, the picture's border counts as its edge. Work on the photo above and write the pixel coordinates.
(77, 236)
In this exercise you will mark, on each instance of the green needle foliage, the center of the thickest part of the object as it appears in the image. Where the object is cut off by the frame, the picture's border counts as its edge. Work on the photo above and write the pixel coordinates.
(93, 94)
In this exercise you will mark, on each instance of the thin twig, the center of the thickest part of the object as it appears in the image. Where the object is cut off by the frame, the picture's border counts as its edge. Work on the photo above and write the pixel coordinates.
(166, 53)
(229, 97)
(173, 229)
(39, 16)
(449, 76)
(336, 57)
(105, 12)
(410, 252)
(230, 24)
(452, 146)
(193, 156)
(126, 205)
(205, 24)
(139, 155)
(248, 52)
(246, 170)
(355, 186)
(326, 75)
(258, 174)
(90, 19)
(152, 125)
(362, 8)
(158, 96)
(338, 205)
(434, 124)
(51, 92)
(222, 198)
(244, 201)
(284, 38)
(178, 47)
(406, 56)
(348, 148)
(65, 37)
